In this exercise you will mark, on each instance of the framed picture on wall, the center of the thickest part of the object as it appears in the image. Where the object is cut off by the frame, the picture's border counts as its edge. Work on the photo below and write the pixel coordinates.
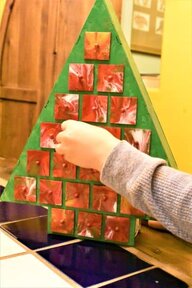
(147, 26)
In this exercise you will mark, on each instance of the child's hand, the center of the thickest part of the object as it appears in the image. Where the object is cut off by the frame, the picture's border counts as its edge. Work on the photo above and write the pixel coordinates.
(85, 145)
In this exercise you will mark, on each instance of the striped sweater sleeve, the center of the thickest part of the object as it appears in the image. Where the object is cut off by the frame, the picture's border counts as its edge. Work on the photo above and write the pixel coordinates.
(151, 186)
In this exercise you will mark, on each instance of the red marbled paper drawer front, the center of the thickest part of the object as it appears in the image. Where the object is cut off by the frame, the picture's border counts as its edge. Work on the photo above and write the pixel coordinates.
(123, 110)
(110, 78)
(117, 229)
(77, 195)
(25, 189)
(89, 174)
(104, 199)
(89, 224)
(94, 108)
(62, 168)
(48, 133)
(81, 77)
(97, 45)
(62, 220)
(38, 163)
(139, 138)
(50, 192)
(66, 106)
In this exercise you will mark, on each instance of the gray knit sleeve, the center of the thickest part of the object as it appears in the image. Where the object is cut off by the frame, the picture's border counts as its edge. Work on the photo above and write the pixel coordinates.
(150, 185)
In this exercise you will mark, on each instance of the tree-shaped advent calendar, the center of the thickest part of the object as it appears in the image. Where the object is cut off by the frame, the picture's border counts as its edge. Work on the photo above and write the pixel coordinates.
(99, 84)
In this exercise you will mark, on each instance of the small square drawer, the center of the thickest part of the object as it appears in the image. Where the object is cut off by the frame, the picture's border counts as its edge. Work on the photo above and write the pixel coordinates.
(123, 110)
(62, 220)
(62, 168)
(50, 192)
(48, 134)
(89, 225)
(117, 229)
(81, 77)
(94, 108)
(104, 199)
(66, 106)
(77, 195)
(38, 163)
(97, 45)
(25, 189)
(139, 138)
(110, 78)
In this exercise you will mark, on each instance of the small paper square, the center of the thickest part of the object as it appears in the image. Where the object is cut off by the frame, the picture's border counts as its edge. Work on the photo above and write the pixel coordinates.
(77, 195)
(25, 189)
(62, 168)
(104, 199)
(117, 229)
(66, 106)
(110, 78)
(38, 163)
(81, 77)
(48, 134)
(89, 225)
(94, 108)
(50, 192)
(139, 138)
(62, 220)
(123, 110)
(97, 45)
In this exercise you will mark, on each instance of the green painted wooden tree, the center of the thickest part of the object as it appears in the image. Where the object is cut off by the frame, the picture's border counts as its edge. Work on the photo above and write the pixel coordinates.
(99, 84)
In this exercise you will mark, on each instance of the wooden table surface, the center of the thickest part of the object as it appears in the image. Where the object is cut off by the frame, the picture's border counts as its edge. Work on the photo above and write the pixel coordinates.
(165, 251)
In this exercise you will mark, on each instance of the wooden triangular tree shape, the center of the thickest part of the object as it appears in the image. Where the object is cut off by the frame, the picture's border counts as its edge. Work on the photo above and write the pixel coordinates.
(99, 84)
